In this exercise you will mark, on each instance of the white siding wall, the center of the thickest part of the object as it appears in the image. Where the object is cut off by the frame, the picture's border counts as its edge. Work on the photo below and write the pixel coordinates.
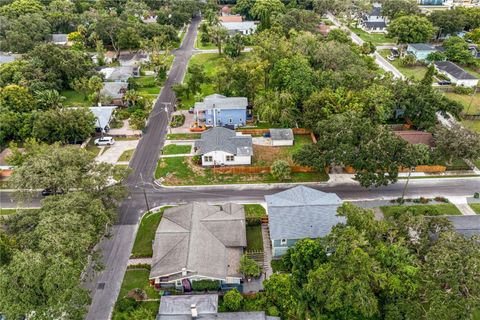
(220, 158)
(278, 143)
(465, 83)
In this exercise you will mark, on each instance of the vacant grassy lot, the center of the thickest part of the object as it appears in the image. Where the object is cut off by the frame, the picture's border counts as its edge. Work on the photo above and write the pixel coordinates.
(142, 246)
(472, 125)
(199, 44)
(416, 73)
(254, 238)
(183, 136)
(265, 155)
(445, 209)
(176, 149)
(126, 155)
(181, 171)
(375, 38)
(75, 99)
(254, 211)
(147, 84)
(466, 101)
(475, 207)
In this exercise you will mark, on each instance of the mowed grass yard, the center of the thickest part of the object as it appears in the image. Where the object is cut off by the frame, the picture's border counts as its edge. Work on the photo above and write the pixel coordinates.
(416, 73)
(254, 238)
(266, 155)
(126, 155)
(475, 207)
(176, 149)
(473, 125)
(467, 101)
(375, 38)
(444, 209)
(254, 211)
(182, 171)
(142, 247)
(75, 99)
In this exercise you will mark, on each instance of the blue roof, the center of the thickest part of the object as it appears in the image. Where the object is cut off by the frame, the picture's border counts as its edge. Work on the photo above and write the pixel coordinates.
(302, 212)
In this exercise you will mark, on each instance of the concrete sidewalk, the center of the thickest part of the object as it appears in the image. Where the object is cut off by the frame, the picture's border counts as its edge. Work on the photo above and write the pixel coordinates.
(113, 153)
(462, 205)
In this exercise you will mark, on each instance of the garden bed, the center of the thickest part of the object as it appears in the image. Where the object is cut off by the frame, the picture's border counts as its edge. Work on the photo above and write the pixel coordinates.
(176, 149)
(142, 247)
(177, 120)
(445, 209)
(182, 171)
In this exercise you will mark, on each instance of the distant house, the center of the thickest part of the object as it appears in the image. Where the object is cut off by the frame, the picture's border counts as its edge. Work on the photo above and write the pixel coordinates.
(457, 75)
(202, 306)
(300, 213)
(237, 25)
(120, 74)
(474, 50)
(149, 18)
(374, 21)
(60, 39)
(221, 146)
(226, 11)
(416, 137)
(324, 29)
(420, 50)
(281, 137)
(6, 57)
(103, 116)
(109, 57)
(218, 110)
(133, 59)
(198, 241)
(6, 170)
(116, 91)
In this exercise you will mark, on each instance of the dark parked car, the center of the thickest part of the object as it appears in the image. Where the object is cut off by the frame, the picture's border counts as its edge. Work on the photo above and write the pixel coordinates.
(190, 110)
(51, 192)
(444, 82)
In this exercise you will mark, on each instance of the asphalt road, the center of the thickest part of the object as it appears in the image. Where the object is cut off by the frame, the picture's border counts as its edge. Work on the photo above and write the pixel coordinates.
(116, 249)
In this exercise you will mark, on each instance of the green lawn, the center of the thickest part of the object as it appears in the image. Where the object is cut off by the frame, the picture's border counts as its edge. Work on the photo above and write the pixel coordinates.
(151, 306)
(475, 207)
(75, 99)
(147, 84)
(477, 163)
(254, 211)
(466, 101)
(142, 246)
(421, 209)
(473, 125)
(199, 44)
(375, 38)
(266, 155)
(6, 212)
(126, 155)
(417, 72)
(457, 164)
(183, 136)
(254, 238)
(180, 171)
(176, 149)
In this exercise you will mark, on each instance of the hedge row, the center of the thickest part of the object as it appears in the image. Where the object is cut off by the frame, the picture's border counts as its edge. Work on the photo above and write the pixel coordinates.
(202, 285)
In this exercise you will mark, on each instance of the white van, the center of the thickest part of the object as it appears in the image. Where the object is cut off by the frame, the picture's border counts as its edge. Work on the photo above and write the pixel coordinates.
(104, 141)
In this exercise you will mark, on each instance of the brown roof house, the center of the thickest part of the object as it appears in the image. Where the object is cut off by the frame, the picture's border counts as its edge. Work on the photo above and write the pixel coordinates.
(198, 241)
(416, 137)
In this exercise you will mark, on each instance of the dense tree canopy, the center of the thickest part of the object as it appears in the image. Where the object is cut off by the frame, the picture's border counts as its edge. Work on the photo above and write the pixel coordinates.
(411, 29)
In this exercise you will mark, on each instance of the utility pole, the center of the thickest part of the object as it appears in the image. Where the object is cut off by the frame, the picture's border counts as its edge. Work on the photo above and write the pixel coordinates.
(145, 193)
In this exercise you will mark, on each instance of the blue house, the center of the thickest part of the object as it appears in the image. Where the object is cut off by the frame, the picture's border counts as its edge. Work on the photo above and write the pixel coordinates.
(420, 50)
(218, 111)
(300, 213)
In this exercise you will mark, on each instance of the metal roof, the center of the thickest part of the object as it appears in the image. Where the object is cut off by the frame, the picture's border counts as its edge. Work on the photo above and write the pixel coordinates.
(223, 139)
(453, 70)
(422, 46)
(281, 134)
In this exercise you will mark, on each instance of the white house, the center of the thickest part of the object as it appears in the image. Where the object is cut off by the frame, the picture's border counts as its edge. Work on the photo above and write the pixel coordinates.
(235, 24)
(374, 21)
(220, 146)
(457, 75)
(281, 137)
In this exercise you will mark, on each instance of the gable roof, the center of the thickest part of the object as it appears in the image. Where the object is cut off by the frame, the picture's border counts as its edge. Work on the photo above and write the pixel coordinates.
(302, 212)
(219, 101)
(422, 46)
(230, 19)
(115, 90)
(223, 139)
(416, 137)
(103, 115)
(239, 25)
(281, 134)
(206, 240)
(376, 10)
(117, 73)
(453, 70)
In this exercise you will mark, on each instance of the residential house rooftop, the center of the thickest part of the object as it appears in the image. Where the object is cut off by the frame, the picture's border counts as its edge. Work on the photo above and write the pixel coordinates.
(103, 115)
(302, 212)
(454, 70)
(114, 90)
(230, 19)
(117, 73)
(416, 137)
(6, 57)
(218, 101)
(59, 38)
(200, 239)
(281, 134)
(223, 139)
(422, 46)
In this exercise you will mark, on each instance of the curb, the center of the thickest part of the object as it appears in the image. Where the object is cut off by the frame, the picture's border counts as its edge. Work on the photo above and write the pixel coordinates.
(258, 186)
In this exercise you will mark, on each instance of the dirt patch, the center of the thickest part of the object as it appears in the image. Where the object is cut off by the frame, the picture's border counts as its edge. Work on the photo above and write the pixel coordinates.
(198, 170)
(265, 155)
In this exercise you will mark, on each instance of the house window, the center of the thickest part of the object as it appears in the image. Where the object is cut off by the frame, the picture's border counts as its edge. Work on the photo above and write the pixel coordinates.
(283, 242)
(230, 158)
(208, 158)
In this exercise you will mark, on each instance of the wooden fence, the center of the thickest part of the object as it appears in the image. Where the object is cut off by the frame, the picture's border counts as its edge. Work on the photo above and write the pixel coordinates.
(299, 131)
(257, 169)
(427, 169)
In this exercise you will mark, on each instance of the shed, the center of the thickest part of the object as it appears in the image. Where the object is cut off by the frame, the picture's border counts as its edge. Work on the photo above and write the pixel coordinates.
(281, 137)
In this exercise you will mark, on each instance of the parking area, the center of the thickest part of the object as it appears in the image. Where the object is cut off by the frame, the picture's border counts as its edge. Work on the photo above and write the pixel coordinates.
(112, 153)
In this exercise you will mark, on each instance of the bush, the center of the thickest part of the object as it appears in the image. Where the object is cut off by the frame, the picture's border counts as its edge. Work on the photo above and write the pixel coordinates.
(249, 267)
(463, 90)
(279, 266)
(441, 199)
(206, 285)
(177, 120)
(196, 159)
(126, 304)
(280, 170)
(273, 311)
(232, 300)
(408, 61)
(253, 221)
(476, 195)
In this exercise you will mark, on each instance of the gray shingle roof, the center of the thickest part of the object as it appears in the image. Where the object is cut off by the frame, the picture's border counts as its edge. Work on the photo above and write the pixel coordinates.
(115, 90)
(375, 24)
(59, 37)
(223, 139)
(281, 134)
(206, 240)
(302, 212)
(219, 101)
(118, 73)
(103, 115)
(422, 46)
(454, 70)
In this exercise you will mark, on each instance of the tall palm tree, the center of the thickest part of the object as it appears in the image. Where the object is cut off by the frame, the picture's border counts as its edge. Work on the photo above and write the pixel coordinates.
(49, 99)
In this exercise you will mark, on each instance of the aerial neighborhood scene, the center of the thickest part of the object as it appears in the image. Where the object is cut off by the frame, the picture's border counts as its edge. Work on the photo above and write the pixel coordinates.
(240, 159)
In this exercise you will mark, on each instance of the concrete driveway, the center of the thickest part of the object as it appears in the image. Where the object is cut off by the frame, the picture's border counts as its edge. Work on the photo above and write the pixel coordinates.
(112, 153)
